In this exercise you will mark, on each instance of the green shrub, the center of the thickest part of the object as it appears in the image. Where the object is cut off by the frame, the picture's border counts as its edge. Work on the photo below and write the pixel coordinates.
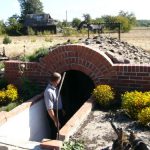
(28, 89)
(41, 52)
(67, 31)
(73, 145)
(144, 116)
(1, 65)
(39, 33)
(30, 31)
(9, 107)
(3, 83)
(104, 95)
(134, 102)
(6, 40)
(46, 32)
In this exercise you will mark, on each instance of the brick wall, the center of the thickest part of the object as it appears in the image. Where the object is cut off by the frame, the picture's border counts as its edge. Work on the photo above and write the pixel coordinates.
(90, 61)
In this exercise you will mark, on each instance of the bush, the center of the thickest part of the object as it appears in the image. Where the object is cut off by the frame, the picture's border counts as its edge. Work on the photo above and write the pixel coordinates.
(28, 89)
(144, 116)
(104, 95)
(11, 92)
(9, 95)
(67, 31)
(134, 102)
(30, 31)
(6, 40)
(41, 52)
(1, 65)
(73, 145)
(2, 96)
(9, 107)
(3, 83)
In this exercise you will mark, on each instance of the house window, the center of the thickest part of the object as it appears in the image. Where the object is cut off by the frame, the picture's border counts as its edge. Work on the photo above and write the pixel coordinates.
(39, 18)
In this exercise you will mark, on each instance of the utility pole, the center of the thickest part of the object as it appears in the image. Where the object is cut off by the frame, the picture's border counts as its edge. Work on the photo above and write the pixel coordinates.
(66, 18)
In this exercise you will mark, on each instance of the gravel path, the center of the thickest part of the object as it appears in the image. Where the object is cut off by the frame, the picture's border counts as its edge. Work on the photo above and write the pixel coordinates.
(97, 133)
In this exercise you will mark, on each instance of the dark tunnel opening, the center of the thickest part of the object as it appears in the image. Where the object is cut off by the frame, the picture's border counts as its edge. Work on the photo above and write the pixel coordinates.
(76, 89)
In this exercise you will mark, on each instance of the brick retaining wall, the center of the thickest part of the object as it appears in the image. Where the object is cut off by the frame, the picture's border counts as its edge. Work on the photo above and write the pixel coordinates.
(91, 62)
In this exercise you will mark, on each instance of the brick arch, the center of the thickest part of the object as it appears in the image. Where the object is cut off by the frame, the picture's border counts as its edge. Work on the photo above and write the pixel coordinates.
(76, 57)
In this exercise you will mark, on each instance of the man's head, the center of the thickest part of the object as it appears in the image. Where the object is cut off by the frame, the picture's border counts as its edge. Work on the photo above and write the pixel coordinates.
(55, 78)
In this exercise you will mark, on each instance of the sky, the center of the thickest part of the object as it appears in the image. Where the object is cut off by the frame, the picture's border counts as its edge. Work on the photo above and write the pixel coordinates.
(62, 9)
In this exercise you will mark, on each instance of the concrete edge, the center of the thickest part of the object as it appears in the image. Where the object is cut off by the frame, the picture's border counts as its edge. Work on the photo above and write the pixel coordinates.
(4, 116)
(70, 127)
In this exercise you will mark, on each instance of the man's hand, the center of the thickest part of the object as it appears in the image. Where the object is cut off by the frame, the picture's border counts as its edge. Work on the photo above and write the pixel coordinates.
(57, 124)
(54, 118)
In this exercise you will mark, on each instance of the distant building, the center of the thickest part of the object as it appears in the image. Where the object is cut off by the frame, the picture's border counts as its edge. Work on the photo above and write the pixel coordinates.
(41, 22)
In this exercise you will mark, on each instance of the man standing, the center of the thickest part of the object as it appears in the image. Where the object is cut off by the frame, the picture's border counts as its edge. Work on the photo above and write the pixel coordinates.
(50, 98)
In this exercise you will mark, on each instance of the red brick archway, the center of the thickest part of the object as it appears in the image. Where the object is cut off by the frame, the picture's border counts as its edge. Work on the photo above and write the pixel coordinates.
(77, 57)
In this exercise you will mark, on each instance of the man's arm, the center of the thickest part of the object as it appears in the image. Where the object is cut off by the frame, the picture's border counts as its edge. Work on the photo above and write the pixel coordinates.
(53, 116)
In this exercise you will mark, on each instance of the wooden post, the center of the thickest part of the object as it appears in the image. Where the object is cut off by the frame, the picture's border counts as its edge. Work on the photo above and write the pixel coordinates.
(119, 31)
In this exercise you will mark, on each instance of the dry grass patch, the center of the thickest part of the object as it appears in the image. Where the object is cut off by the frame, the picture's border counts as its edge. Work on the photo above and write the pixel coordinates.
(137, 37)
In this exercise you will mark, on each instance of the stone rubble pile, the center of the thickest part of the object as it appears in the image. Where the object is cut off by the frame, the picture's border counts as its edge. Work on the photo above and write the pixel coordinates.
(119, 51)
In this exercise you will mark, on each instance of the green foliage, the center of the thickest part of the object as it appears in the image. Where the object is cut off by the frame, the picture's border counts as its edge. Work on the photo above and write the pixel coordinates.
(134, 102)
(130, 16)
(83, 31)
(143, 23)
(41, 52)
(1, 65)
(104, 95)
(28, 89)
(67, 31)
(126, 19)
(125, 24)
(2, 27)
(87, 18)
(3, 83)
(98, 20)
(76, 22)
(9, 107)
(73, 145)
(47, 32)
(144, 116)
(30, 7)
(13, 25)
(6, 40)
(30, 31)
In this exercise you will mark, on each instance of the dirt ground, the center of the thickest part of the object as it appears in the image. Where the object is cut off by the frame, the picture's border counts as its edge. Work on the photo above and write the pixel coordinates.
(31, 43)
(97, 133)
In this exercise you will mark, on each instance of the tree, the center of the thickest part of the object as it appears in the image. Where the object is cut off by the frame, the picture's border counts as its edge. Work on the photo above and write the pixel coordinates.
(98, 20)
(2, 27)
(13, 25)
(108, 19)
(131, 17)
(30, 7)
(76, 22)
(125, 23)
(87, 18)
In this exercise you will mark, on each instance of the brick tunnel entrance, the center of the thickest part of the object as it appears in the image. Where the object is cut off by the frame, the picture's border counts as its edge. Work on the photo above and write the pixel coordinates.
(76, 89)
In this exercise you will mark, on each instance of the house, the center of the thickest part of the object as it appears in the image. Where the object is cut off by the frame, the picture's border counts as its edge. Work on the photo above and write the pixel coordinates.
(41, 22)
